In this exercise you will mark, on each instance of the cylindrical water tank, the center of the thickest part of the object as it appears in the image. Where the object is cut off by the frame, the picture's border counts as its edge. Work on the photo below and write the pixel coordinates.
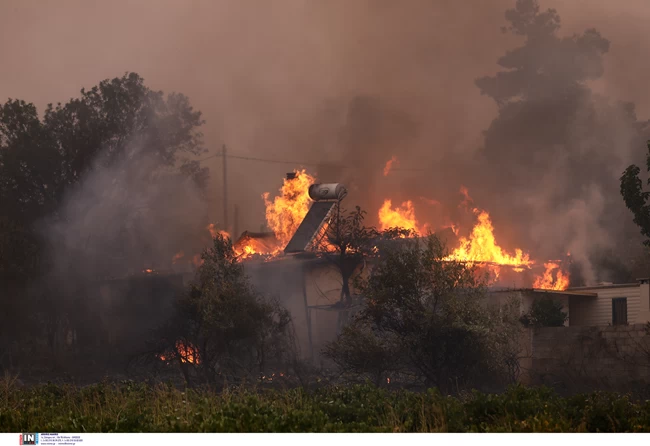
(327, 191)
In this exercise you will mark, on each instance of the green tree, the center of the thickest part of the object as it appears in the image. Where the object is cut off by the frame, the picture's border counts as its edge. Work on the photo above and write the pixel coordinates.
(430, 316)
(636, 199)
(121, 117)
(348, 244)
(118, 124)
(235, 333)
(351, 242)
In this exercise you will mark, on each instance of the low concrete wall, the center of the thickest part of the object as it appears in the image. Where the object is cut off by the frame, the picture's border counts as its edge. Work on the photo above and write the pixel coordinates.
(577, 359)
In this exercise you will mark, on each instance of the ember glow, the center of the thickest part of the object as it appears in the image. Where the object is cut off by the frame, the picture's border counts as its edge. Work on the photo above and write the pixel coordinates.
(389, 165)
(186, 352)
(547, 281)
(177, 257)
(285, 213)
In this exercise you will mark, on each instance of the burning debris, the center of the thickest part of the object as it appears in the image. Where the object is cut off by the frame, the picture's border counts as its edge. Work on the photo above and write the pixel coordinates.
(256, 243)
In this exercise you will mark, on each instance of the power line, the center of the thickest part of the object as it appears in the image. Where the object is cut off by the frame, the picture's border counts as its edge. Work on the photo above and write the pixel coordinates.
(275, 161)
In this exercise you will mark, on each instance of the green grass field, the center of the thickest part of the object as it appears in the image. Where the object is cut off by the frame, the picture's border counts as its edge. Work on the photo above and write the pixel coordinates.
(134, 407)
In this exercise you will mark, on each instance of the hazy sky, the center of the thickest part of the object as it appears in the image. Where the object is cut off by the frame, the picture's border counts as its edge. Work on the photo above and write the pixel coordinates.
(273, 78)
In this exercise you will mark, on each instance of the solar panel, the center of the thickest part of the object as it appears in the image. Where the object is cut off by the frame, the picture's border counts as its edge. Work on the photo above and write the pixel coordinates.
(310, 226)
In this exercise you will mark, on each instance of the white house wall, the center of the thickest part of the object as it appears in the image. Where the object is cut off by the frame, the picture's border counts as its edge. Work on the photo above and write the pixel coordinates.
(598, 311)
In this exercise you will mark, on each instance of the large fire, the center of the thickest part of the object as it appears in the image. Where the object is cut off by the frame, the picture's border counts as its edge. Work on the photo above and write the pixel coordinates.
(481, 246)
(287, 210)
(285, 213)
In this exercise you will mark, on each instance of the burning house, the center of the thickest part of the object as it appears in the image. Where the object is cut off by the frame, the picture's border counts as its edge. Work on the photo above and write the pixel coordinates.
(285, 263)
(599, 305)
(293, 263)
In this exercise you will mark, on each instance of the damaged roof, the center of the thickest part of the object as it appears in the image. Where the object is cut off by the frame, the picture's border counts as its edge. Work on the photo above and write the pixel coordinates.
(260, 241)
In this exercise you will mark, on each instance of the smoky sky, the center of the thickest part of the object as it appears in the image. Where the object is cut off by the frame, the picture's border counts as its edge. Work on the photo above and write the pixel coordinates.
(344, 82)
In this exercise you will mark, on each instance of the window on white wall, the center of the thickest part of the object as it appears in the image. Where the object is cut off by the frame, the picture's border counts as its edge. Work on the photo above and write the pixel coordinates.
(619, 311)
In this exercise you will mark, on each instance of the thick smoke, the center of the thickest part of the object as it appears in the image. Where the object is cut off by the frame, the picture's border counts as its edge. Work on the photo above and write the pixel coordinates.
(123, 219)
(354, 83)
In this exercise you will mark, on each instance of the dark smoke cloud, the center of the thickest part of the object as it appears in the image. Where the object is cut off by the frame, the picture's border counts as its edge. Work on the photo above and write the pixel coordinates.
(350, 83)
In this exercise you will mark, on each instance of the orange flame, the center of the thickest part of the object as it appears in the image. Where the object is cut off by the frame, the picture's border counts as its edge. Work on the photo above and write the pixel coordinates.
(248, 246)
(285, 213)
(186, 352)
(546, 280)
(400, 217)
(214, 231)
(389, 165)
(481, 246)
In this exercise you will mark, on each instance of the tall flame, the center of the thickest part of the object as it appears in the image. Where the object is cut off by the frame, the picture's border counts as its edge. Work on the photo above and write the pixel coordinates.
(547, 282)
(481, 246)
(389, 165)
(285, 213)
(400, 217)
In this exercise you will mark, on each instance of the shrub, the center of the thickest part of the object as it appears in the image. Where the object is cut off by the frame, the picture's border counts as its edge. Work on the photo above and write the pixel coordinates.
(223, 329)
(427, 314)
(136, 407)
(545, 312)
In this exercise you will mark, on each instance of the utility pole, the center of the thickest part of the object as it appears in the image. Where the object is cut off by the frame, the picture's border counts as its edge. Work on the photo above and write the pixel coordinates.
(225, 189)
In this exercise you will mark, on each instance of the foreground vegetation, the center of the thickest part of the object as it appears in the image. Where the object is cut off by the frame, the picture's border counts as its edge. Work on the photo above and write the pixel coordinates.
(134, 407)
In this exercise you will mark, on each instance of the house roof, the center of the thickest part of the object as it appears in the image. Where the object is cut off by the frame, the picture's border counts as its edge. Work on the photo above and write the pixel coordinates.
(260, 241)
(567, 292)
(605, 286)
